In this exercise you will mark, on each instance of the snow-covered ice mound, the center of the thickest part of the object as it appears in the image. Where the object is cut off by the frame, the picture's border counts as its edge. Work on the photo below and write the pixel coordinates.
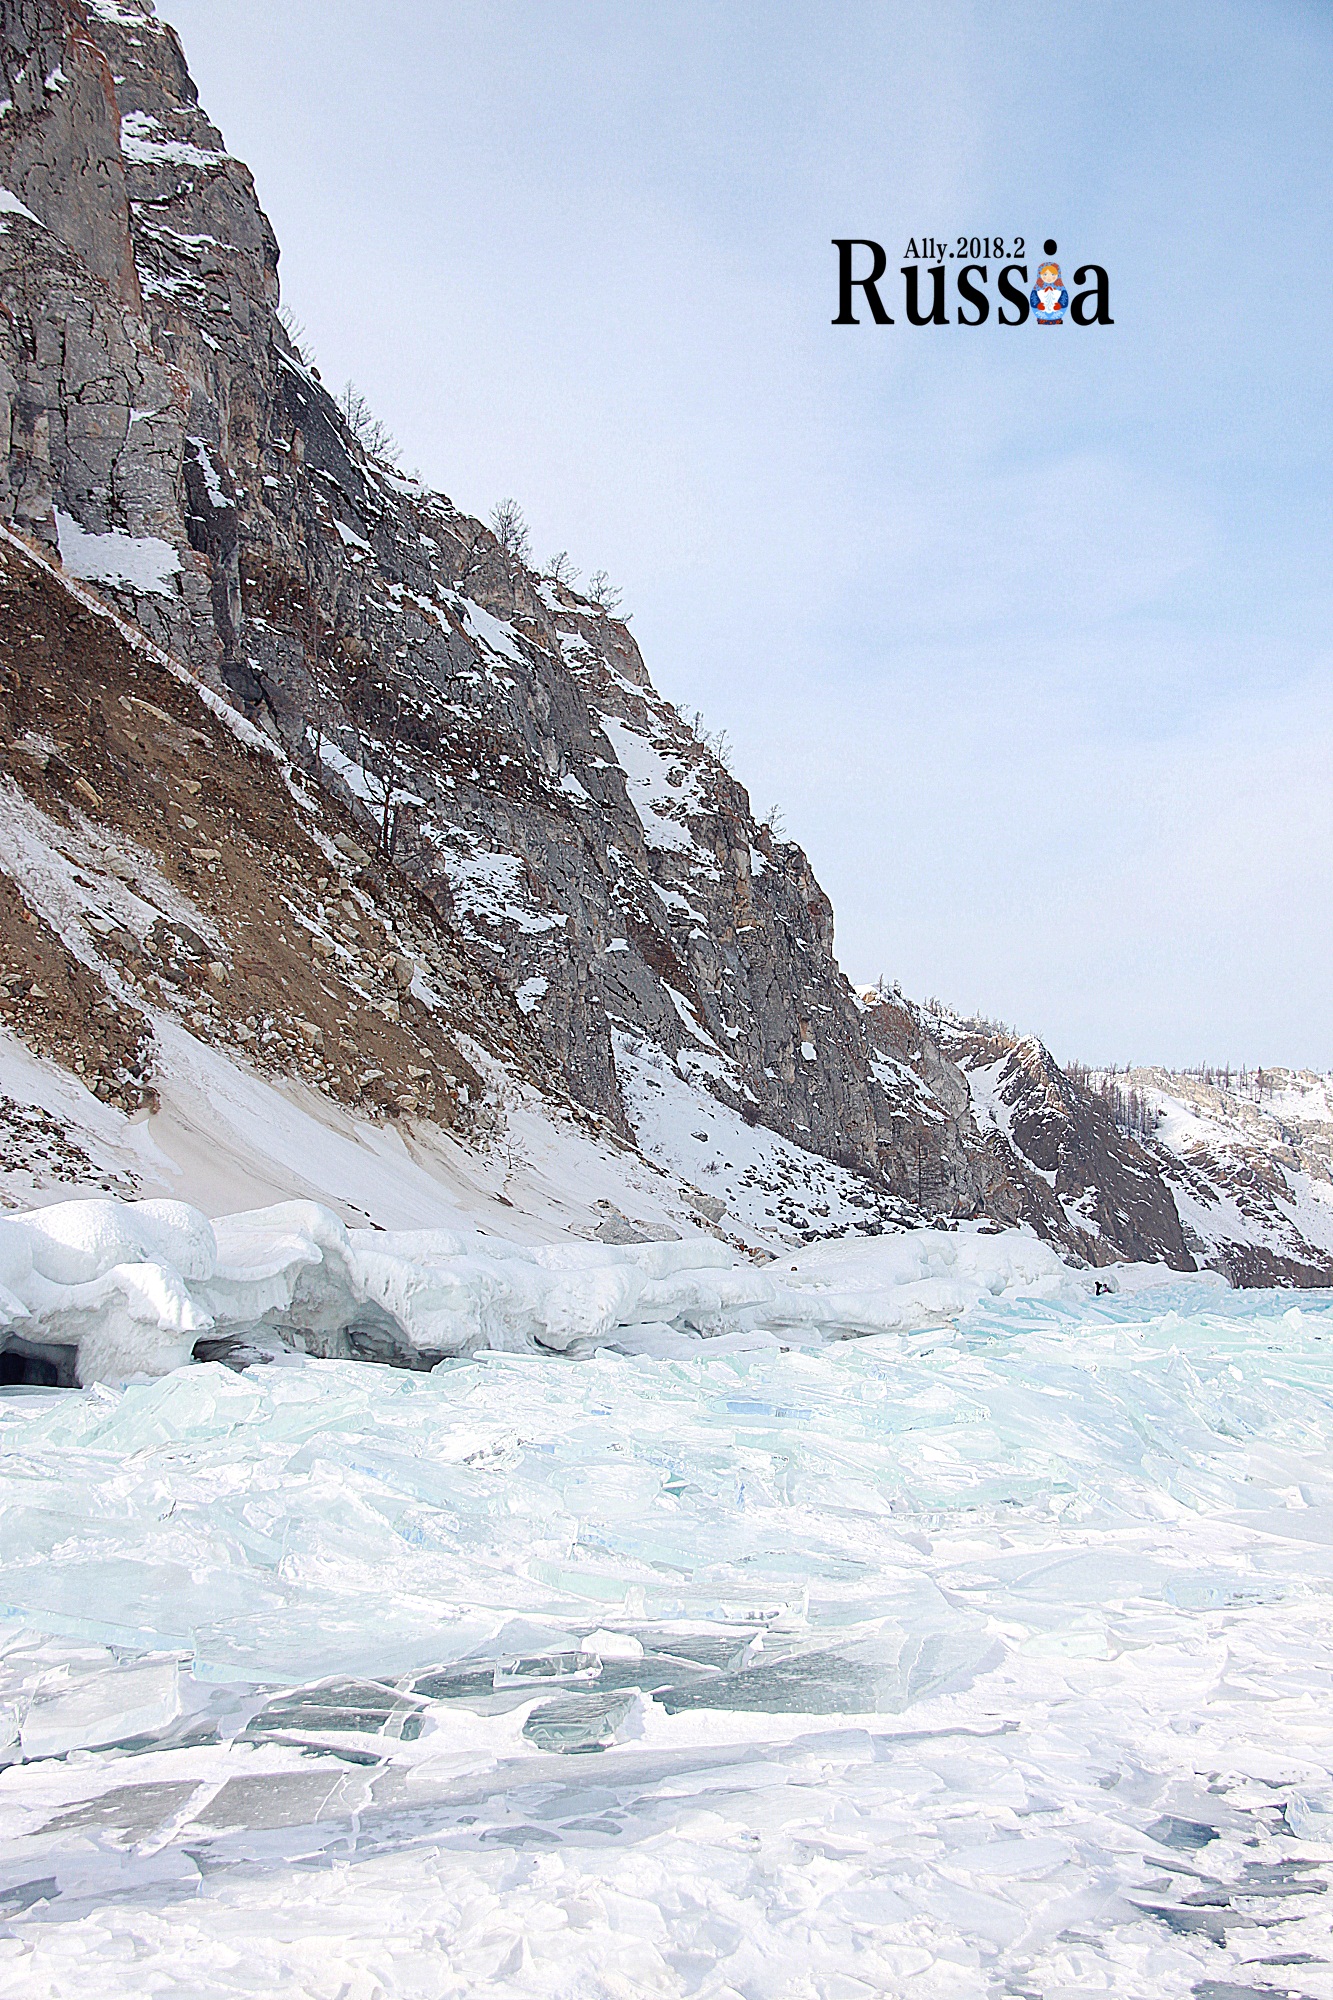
(129, 1288)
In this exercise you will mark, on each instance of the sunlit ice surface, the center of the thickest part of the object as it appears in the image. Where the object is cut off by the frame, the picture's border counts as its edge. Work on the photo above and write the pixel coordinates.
(993, 1659)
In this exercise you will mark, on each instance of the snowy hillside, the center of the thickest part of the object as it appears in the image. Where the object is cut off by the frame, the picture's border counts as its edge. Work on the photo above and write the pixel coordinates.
(1249, 1156)
(1227, 1172)
(211, 992)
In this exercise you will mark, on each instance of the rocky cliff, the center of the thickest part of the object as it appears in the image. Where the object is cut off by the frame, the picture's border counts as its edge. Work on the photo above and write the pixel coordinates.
(1024, 1141)
(496, 734)
(1248, 1158)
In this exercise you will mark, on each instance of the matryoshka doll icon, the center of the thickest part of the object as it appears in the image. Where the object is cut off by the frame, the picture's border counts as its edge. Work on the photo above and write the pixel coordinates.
(1049, 297)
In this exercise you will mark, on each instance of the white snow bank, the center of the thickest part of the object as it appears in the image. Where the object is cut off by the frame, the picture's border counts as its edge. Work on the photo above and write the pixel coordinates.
(892, 1283)
(11, 205)
(73, 1242)
(133, 1285)
(142, 563)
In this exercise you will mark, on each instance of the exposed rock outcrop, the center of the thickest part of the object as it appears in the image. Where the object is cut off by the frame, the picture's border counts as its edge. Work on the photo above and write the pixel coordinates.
(1025, 1142)
(1201, 1171)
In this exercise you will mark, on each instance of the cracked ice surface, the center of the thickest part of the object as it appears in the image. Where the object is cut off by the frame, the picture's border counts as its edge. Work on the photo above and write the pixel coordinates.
(992, 1659)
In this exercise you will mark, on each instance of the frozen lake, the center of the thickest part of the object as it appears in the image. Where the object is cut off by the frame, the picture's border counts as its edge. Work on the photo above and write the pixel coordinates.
(989, 1659)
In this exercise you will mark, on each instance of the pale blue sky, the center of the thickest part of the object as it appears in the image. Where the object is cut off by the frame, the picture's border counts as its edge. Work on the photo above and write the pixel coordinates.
(1027, 631)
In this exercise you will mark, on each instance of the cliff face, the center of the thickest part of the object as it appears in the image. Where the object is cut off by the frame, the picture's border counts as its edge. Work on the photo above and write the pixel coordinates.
(1023, 1141)
(1197, 1171)
(497, 734)
(1075, 1174)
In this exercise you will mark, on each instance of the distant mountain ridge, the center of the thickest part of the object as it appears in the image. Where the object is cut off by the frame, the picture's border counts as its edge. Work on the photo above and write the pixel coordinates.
(1207, 1170)
(1249, 1161)
(628, 935)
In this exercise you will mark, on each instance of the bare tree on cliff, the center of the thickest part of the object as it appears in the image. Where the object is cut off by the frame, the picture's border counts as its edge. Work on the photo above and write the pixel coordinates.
(513, 543)
(603, 593)
(373, 436)
(382, 761)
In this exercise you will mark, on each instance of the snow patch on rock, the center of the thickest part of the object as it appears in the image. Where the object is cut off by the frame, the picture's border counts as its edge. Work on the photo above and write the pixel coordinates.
(144, 564)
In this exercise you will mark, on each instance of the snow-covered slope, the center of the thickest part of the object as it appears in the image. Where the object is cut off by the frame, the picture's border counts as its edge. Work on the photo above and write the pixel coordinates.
(210, 991)
(1249, 1157)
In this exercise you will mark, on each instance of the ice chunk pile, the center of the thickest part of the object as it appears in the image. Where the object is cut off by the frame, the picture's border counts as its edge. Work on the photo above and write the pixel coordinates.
(111, 1279)
(990, 1659)
(128, 1288)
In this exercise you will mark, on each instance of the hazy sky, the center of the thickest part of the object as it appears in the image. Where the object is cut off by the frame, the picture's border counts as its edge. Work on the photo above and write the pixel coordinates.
(1027, 630)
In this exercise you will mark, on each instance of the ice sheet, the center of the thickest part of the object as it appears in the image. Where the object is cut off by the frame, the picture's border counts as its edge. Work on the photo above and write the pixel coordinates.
(985, 1659)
